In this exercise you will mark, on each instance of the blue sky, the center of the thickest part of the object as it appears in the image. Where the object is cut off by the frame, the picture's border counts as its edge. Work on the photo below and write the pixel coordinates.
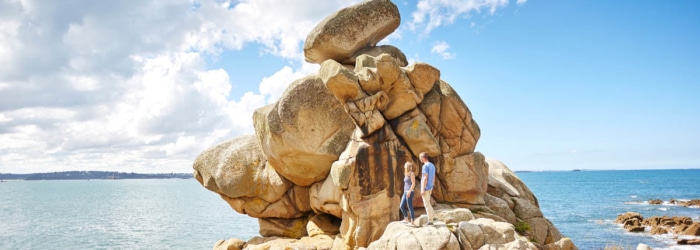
(144, 86)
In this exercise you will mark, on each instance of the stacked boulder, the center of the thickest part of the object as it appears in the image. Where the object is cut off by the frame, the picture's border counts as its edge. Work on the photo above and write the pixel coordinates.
(325, 166)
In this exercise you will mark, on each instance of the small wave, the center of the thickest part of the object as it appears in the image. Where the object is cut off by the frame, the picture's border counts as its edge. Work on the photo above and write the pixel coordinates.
(600, 221)
(670, 240)
(633, 196)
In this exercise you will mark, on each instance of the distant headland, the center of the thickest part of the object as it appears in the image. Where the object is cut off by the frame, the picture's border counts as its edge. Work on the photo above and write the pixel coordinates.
(95, 175)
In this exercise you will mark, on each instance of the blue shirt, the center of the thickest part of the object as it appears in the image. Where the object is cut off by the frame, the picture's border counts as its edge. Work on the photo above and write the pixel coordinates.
(429, 168)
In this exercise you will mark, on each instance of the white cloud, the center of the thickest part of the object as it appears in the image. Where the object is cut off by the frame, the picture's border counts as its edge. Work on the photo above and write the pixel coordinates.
(522, 1)
(430, 14)
(124, 85)
(441, 48)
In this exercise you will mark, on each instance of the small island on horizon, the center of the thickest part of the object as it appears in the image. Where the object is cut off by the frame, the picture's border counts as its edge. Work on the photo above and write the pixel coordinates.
(94, 175)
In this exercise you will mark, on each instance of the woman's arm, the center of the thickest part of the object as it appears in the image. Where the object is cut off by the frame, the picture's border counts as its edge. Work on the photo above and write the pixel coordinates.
(413, 181)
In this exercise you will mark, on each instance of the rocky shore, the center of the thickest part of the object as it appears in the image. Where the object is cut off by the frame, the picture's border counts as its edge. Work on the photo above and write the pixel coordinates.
(324, 169)
(690, 203)
(683, 229)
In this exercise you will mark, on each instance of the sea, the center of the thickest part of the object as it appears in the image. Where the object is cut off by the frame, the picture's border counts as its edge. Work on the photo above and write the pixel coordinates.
(181, 214)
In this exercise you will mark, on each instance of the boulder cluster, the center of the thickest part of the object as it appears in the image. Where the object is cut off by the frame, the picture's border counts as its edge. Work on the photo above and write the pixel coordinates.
(324, 169)
(677, 225)
(687, 203)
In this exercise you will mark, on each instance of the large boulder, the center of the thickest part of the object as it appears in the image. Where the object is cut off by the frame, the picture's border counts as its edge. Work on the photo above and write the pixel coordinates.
(345, 32)
(462, 179)
(399, 236)
(303, 132)
(372, 184)
(238, 171)
(447, 113)
(489, 234)
(512, 201)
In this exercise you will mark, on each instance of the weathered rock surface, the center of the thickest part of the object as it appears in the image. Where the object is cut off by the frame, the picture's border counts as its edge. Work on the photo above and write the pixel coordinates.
(324, 169)
(303, 132)
(392, 51)
(345, 32)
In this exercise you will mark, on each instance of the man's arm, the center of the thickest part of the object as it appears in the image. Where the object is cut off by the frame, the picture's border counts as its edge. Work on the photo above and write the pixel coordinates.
(423, 182)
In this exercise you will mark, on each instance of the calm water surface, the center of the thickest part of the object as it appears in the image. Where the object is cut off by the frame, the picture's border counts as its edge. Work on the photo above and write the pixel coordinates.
(116, 214)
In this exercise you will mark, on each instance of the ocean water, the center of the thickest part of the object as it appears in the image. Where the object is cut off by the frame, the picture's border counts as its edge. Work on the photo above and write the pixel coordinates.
(116, 214)
(583, 205)
(181, 214)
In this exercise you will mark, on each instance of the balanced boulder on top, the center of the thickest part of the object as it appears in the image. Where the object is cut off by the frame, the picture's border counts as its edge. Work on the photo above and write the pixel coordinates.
(345, 32)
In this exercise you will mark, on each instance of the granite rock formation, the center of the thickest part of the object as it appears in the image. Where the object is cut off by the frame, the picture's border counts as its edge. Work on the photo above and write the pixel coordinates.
(324, 169)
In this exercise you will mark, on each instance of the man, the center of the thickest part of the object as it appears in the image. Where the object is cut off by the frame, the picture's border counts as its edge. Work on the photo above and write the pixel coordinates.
(426, 187)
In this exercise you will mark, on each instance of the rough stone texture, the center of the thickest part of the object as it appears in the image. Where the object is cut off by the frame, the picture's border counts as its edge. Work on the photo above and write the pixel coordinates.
(510, 200)
(375, 51)
(693, 229)
(372, 195)
(447, 113)
(325, 198)
(413, 129)
(658, 230)
(510, 184)
(500, 208)
(303, 132)
(463, 179)
(322, 224)
(402, 97)
(563, 244)
(289, 228)
(543, 231)
(622, 218)
(423, 76)
(230, 244)
(455, 215)
(490, 234)
(237, 170)
(304, 243)
(345, 32)
(400, 236)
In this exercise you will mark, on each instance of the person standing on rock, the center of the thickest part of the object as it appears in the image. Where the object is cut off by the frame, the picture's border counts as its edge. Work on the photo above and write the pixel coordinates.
(426, 187)
(409, 182)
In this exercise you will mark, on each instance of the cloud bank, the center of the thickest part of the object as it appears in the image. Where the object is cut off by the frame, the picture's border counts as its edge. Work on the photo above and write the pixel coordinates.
(126, 85)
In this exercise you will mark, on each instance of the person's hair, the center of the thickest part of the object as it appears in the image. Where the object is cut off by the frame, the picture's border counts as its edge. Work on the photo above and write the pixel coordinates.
(423, 155)
(408, 168)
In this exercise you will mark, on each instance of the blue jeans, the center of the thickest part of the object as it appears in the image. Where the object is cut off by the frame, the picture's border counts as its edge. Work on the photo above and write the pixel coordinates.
(407, 201)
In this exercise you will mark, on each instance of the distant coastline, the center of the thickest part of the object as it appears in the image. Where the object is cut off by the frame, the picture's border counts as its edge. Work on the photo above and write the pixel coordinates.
(595, 169)
(92, 175)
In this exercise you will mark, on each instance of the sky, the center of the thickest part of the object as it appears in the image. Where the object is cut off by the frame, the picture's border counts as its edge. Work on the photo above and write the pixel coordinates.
(145, 86)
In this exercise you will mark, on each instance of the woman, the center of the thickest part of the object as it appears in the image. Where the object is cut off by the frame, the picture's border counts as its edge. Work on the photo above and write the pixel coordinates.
(407, 198)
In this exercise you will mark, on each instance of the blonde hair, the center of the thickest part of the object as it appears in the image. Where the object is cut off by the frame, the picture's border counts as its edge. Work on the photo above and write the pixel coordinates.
(408, 168)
